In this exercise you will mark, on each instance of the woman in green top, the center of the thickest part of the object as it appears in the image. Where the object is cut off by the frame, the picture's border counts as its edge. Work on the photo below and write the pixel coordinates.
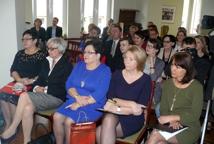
(181, 102)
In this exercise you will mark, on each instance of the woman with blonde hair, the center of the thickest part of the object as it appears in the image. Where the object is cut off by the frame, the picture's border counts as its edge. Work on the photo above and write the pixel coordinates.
(201, 61)
(129, 91)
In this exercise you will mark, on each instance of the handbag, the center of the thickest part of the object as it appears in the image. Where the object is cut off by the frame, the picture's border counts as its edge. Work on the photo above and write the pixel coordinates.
(15, 88)
(83, 133)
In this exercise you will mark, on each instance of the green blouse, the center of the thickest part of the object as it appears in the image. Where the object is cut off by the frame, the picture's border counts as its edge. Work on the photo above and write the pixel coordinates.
(187, 104)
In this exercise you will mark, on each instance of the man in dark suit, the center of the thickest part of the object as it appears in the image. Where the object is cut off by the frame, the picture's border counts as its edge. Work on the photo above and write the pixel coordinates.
(112, 51)
(54, 30)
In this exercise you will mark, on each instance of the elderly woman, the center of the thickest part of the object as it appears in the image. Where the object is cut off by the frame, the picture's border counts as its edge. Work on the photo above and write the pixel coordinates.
(24, 71)
(181, 102)
(86, 90)
(48, 92)
(129, 91)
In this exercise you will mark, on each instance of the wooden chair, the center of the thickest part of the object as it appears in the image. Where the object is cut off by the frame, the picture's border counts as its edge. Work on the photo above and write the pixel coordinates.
(73, 51)
(138, 137)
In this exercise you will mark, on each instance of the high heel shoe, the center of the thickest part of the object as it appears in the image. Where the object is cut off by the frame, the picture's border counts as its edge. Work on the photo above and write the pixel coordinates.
(7, 140)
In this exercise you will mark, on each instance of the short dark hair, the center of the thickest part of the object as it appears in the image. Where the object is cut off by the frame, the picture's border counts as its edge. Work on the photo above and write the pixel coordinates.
(96, 28)
(126, 39)
(156, 44)
(189, 40)
(117, 26)
(144, 34)
(29, 32)
(184, 60)
(96, 43)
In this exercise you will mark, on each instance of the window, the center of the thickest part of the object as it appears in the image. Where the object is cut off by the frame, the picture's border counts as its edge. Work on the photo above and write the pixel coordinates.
(95, 11)
(47, 9)
(196, 14)
(191, 15)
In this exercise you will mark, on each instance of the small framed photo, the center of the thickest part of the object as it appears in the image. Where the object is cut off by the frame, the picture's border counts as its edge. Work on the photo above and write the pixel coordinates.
(168, 14)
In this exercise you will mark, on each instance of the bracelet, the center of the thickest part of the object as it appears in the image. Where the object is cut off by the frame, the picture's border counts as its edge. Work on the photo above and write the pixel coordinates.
(75, 96)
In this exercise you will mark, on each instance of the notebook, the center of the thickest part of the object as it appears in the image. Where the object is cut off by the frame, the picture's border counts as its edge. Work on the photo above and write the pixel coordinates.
(168, 132)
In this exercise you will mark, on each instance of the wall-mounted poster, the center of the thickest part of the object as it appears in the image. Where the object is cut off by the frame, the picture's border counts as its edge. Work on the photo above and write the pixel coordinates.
(168, 14)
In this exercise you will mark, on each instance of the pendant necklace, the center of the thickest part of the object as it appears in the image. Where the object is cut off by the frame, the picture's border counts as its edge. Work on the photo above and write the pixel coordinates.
(174, 99)
(84, 77)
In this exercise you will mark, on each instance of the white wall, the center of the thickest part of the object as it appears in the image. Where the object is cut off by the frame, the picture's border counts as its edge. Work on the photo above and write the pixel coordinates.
(12, 26)
(207, 7)
(8, 38)
(122, 4)
(74, 18)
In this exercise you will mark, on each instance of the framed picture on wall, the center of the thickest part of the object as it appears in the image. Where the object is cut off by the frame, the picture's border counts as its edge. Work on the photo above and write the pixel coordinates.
(168, 14)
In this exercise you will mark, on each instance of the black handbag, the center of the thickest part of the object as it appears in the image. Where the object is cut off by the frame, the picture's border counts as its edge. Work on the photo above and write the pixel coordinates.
(44, 139)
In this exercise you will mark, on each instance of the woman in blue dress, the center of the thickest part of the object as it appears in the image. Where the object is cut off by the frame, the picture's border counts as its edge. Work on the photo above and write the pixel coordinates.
(129, 91)
(86, 91)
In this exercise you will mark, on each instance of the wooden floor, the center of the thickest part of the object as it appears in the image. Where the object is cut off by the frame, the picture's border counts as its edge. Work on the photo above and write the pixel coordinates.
(209, 137)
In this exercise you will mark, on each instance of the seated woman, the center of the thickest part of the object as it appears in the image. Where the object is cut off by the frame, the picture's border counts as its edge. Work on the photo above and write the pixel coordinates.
(86, 91)
(166, 53)
(25, 69)
(202, 61)
(154, 67)
(181, 102)
(129, 90)
(49, 91)
(140, 38)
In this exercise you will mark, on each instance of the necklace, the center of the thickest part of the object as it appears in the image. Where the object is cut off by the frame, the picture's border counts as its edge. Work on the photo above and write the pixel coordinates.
(84, 77)
(174, 99)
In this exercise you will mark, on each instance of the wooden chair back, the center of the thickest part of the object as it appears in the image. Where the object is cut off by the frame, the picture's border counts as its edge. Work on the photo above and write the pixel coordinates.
(73, 51)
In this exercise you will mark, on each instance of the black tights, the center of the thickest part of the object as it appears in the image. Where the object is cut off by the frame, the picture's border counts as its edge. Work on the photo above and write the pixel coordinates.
(109, 130)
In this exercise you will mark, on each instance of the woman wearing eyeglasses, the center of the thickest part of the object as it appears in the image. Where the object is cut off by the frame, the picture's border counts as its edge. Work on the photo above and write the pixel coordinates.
(24, 71)
(48, 91)
(86, 91)
(167, 52)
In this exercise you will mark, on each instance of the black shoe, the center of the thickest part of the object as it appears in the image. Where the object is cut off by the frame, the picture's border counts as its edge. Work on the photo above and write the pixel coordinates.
(7, 140)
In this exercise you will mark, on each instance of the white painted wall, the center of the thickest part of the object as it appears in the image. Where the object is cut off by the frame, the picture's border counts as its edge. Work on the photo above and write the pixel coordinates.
(123, 4)
(74, 18)
(207, 7)
(11, 26)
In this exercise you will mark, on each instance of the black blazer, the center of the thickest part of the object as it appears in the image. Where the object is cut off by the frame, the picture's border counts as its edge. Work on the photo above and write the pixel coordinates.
(57, 78)
(49, 32)
(115, 62)
(41, 34)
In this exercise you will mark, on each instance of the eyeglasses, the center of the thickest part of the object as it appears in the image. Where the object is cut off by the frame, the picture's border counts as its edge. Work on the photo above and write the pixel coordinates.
(51, 49)
(88, 52)
(26, 39)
